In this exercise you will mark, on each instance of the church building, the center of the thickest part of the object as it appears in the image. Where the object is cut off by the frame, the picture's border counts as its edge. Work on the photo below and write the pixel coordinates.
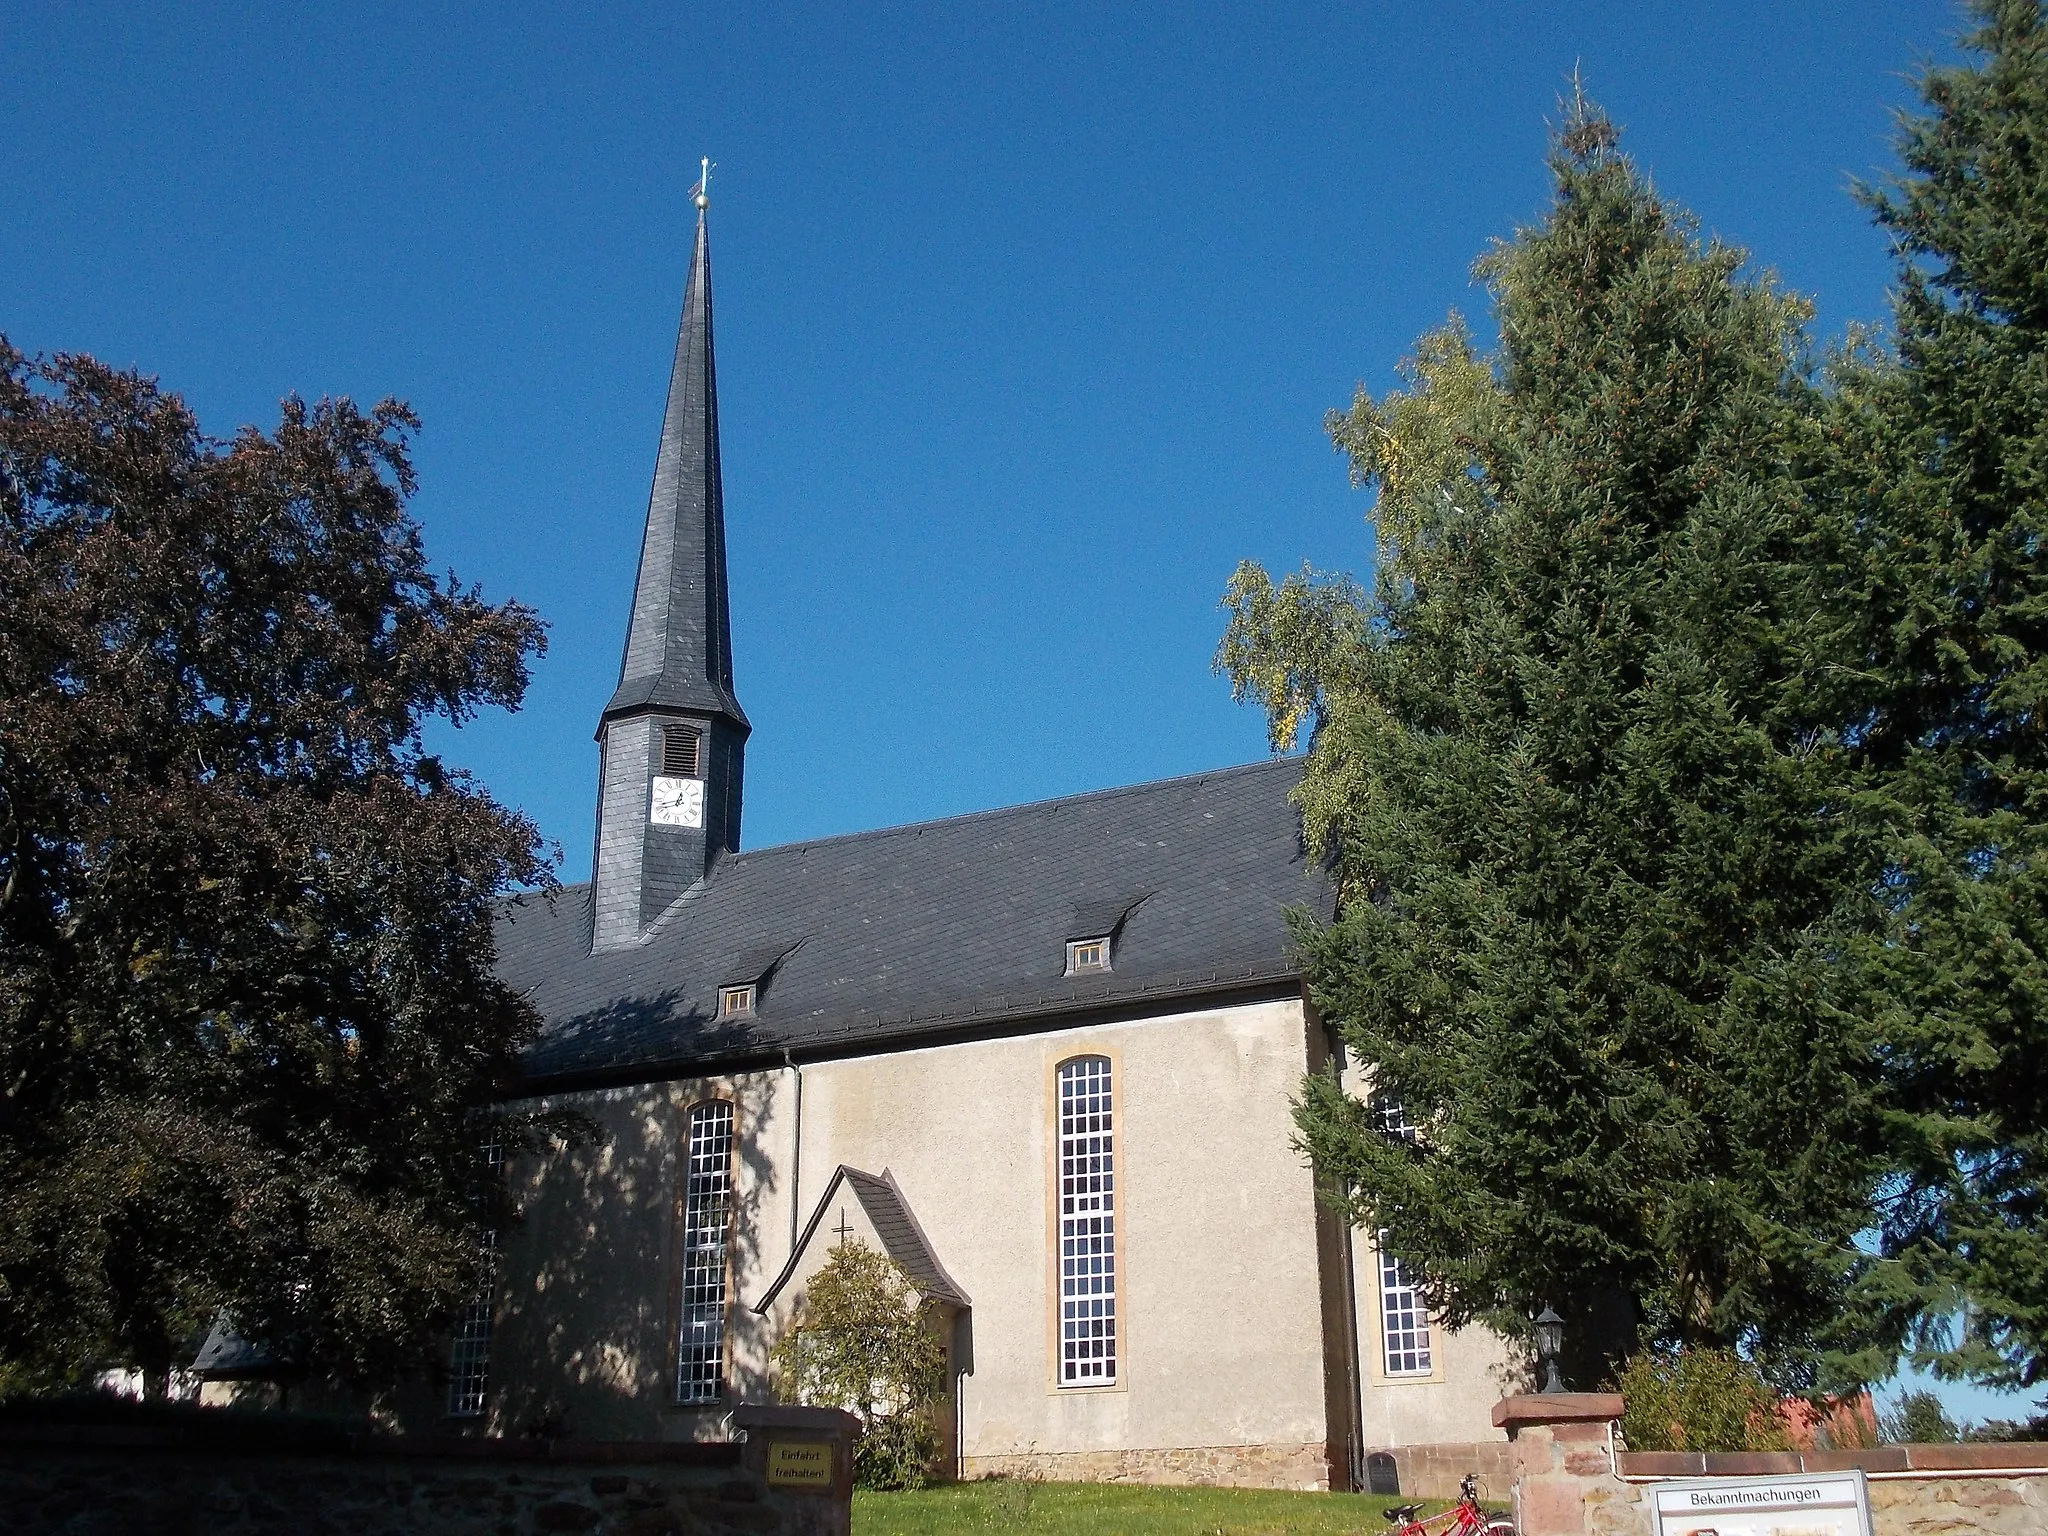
(1042, 1056)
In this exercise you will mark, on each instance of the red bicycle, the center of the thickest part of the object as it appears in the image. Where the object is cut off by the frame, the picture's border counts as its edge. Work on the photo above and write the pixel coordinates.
(1464, 1518)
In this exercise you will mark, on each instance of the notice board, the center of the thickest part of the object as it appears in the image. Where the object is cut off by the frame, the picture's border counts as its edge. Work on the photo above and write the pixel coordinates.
(1814, 1504)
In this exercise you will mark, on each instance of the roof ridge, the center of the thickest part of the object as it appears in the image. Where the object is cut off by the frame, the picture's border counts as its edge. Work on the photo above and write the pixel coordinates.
(1231, 771)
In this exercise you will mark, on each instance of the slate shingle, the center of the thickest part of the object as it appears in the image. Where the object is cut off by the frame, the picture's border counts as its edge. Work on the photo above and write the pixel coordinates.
(679, 642)
(922, 930)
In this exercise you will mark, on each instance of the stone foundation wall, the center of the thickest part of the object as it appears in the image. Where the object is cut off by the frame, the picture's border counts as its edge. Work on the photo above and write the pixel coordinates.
(1206, 1466)
(1570, 1482)
(208, 1480)
(1915, 1490)
(1988, 1506)
(1434, 1471)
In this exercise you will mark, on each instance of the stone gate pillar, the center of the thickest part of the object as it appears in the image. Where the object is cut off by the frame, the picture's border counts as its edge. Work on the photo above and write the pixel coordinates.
(1560, 1449)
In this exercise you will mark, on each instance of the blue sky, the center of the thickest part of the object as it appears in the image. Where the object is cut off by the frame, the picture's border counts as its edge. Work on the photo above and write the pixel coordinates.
(1028, 315)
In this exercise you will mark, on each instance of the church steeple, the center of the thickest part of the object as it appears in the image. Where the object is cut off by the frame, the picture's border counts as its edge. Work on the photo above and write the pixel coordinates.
(679, 644)
(672, 739)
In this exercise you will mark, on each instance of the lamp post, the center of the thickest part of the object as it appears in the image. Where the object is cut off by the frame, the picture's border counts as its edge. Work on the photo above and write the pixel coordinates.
(1549, 1345)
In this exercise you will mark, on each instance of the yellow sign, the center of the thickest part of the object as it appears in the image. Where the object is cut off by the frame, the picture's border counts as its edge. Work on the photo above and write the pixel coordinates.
(800, 1463)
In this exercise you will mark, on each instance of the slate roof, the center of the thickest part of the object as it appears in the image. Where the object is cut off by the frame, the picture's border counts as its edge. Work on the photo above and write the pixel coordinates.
(227, 1356)
(898, 937)
(902, 1238)
(679, 641)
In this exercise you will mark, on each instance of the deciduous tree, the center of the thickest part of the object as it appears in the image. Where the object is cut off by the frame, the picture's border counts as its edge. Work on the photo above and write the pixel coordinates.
(249, 1030)
(864, 1341)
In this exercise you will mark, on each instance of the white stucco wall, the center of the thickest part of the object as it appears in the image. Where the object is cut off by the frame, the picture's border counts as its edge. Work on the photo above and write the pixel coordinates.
(1220, 1284)
(1223, 1338)
(1472, 1369)
(1218, 1287)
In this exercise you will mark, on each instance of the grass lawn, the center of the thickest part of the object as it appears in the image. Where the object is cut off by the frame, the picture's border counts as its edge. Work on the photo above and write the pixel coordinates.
(1110, 1509)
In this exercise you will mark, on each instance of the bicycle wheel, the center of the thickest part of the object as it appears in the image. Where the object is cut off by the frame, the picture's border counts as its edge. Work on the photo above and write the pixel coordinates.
(1502, 1526)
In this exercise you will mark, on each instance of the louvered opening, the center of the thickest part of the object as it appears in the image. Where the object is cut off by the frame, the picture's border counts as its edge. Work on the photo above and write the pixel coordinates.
(679, 752)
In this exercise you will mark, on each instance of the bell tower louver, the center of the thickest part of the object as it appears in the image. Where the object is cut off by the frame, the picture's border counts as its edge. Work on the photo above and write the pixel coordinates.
(672, 741)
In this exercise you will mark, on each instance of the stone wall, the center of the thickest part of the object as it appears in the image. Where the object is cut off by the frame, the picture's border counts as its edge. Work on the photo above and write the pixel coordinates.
(1564, 1482)
(1915, 1490)
(1424, 1471)
(1203, 1466)
(251, 1479)
(1569, 1481)
(1434, 1471)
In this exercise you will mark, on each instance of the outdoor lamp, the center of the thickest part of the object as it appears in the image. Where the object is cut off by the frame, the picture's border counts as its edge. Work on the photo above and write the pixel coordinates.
(1549, 1345)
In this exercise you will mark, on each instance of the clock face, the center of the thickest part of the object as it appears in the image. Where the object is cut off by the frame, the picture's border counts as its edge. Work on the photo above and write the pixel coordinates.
(677, 803)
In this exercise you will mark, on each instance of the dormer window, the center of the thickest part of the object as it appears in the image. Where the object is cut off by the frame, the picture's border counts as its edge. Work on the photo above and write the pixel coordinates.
(1095, 928)
(679, 752)
(739, 994)
(1085, 955)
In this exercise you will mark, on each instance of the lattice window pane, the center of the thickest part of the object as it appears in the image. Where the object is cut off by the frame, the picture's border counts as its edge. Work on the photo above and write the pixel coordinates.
(1390, 1115)
(1404, 1321)
(1087, 1225)
(469, 1356)
(707, 1208)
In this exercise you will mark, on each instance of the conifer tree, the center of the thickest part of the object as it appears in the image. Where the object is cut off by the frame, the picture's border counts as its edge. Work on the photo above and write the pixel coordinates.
(1584, 806)
(1943, 449)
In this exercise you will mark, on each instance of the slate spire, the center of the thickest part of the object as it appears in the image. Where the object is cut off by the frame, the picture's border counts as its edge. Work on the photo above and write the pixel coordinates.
(679, 643)
(672, 741)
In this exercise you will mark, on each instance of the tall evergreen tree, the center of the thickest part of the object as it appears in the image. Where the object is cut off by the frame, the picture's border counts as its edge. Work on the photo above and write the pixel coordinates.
(1944, 451)
(1586, 816)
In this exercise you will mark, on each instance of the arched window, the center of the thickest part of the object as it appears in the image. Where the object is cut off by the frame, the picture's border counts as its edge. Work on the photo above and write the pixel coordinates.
(1087, 1224)
(469, 1359)
(1404, 1320)
(707, 1217)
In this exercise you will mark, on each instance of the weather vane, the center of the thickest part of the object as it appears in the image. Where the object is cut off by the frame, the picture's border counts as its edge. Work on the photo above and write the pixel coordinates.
(702, 190)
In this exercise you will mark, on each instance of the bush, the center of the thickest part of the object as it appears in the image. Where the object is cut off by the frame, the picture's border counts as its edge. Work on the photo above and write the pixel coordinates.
(1996, 1431)
(1699, 1400)
(864, 1342)
(895, 1452)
